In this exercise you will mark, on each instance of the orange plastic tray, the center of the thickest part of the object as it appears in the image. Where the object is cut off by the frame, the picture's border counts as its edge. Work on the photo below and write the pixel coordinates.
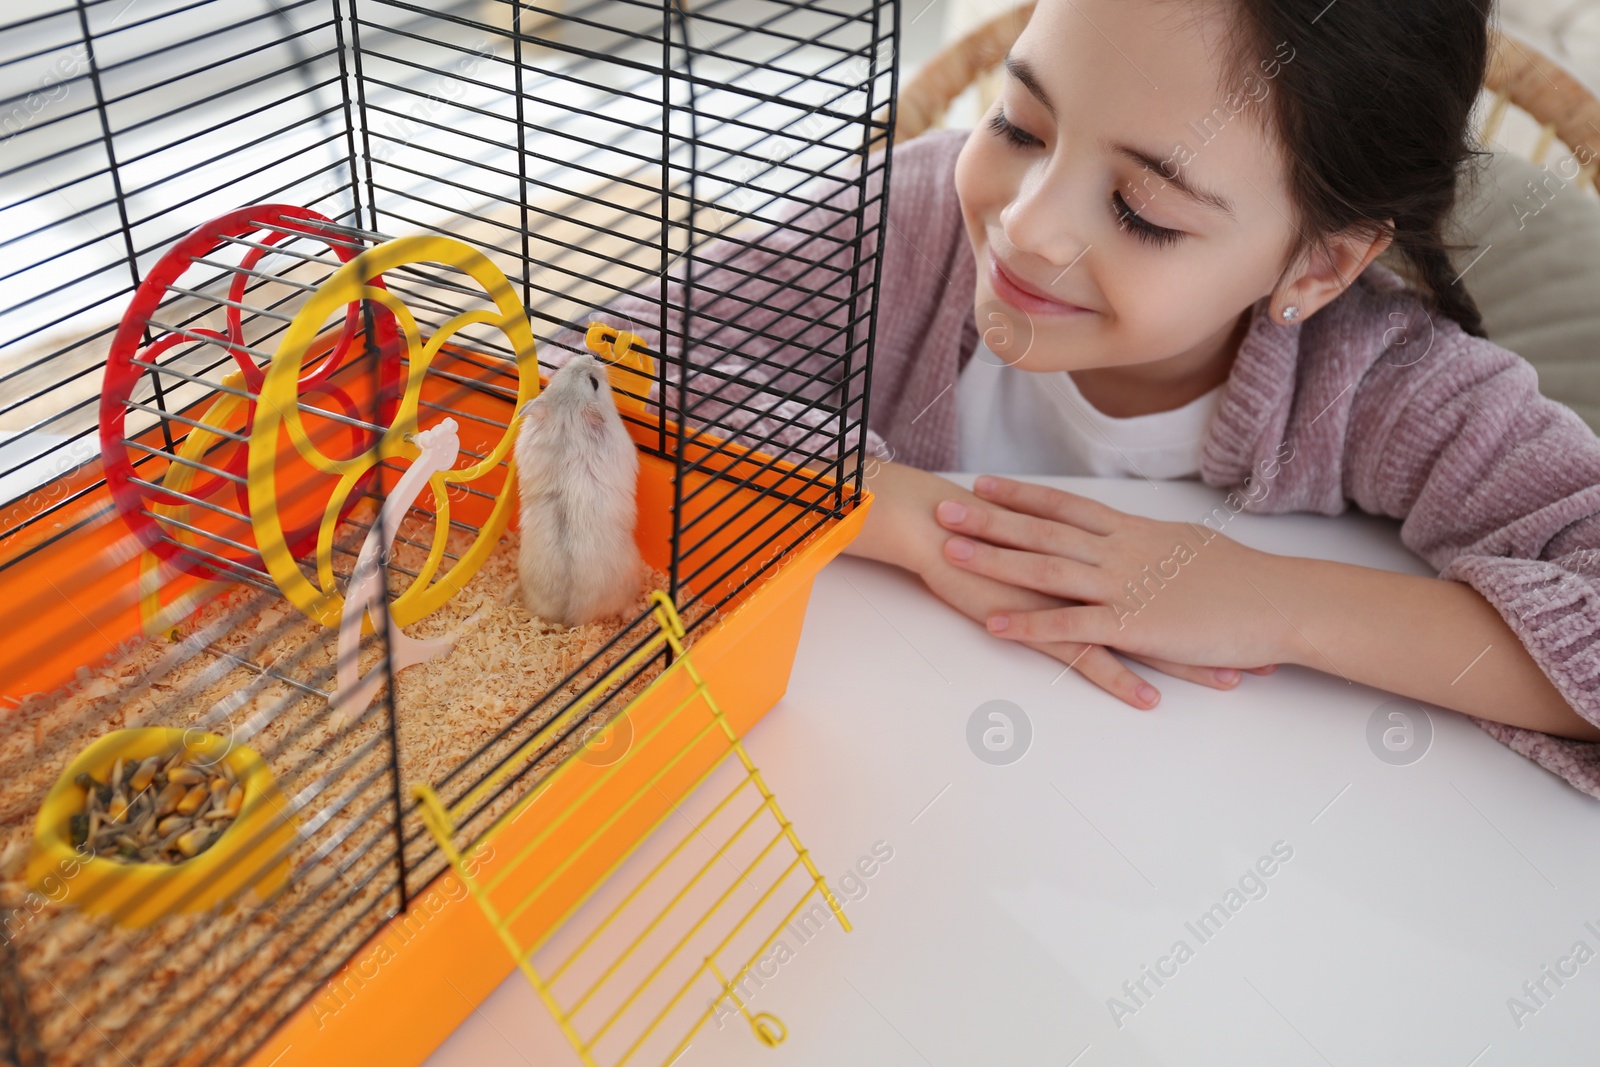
(426, 970)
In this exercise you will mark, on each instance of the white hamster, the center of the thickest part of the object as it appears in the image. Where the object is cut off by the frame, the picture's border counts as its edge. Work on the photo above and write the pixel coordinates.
(578, 475)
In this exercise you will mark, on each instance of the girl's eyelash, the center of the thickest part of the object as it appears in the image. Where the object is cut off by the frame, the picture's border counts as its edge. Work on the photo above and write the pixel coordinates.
(1015, 134)
(1132, 222)
(1128, 219)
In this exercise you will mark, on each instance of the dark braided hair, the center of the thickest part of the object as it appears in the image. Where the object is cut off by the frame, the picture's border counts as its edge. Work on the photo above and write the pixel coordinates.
(1373, 108)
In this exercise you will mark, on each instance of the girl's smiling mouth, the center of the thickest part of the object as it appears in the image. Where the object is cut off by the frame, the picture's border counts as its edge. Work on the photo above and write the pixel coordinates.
(1025, 297)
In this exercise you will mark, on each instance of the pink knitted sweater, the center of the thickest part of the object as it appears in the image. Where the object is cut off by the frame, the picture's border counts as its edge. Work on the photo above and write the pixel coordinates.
(1383, 407)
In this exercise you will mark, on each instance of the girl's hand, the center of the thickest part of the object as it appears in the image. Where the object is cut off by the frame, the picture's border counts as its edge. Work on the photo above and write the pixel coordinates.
(978, 597)
(1170, 590)
(900, 529)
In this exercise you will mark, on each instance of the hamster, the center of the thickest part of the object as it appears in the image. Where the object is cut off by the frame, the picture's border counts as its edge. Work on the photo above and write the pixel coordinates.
(578, 477)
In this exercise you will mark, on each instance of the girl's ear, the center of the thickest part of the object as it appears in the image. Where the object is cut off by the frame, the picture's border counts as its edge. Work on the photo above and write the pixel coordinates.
(1318, 276)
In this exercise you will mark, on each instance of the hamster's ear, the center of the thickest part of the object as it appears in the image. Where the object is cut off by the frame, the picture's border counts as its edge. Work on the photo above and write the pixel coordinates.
(533, 411)
(594, 416)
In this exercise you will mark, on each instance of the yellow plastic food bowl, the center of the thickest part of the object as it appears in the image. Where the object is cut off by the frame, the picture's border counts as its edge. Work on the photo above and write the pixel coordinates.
(253, 852)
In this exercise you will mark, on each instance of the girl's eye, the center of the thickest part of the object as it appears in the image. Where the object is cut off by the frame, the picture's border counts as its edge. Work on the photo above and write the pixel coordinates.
(1132, 222)
(1015, 134)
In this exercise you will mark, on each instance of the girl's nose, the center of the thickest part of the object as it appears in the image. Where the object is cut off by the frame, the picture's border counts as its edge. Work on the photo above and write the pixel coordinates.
(1043, 220)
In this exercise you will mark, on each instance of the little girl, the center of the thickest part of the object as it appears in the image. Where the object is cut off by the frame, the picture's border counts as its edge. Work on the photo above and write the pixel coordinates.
(1155, 258)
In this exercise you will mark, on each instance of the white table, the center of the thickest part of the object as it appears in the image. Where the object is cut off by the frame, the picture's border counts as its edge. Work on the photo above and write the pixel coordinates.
(1020, 898)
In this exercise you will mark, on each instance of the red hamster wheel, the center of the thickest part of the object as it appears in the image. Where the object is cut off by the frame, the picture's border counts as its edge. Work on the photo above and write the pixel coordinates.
(185, 370)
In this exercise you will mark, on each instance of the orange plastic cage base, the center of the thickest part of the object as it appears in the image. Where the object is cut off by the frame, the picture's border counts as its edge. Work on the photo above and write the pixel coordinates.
(426, 970)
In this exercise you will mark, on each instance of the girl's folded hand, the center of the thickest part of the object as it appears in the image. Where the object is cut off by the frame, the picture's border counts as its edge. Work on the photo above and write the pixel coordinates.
(901, 530)
(977, 597)
(1174, 591)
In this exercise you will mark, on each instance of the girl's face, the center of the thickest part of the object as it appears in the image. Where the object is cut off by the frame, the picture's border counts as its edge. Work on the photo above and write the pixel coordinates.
(1124, 198)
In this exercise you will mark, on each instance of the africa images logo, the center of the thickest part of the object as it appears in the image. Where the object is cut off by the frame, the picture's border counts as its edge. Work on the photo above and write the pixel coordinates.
(999, 732)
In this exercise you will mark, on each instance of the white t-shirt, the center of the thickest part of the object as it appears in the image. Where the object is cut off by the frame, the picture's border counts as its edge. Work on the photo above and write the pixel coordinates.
(1014, 421)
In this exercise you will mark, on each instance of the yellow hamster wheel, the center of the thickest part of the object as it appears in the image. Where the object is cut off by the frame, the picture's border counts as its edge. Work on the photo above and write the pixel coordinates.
(279, 425)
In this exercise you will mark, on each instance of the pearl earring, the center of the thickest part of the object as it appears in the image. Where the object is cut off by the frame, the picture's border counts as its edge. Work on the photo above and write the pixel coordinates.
(1290, 313)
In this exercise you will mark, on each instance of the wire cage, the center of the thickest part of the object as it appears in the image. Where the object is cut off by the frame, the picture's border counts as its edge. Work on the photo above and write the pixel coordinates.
(280, 277)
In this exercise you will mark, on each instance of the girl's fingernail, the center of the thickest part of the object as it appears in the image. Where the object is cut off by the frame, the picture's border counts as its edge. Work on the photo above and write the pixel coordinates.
(984, 483)
(951, 511)
(999, 622)
(960, 547)
(1227, 675)
(1147, 692)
